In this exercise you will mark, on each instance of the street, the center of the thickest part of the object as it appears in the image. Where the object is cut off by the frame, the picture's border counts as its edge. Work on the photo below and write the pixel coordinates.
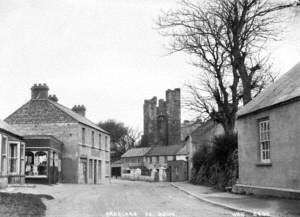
(123, 198)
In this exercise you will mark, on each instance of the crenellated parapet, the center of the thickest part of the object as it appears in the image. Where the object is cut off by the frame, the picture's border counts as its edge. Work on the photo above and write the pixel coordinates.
(162, 120)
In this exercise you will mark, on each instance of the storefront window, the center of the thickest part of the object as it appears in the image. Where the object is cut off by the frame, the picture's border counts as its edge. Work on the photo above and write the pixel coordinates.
(22, 155)
(36, 163)
(42, 163)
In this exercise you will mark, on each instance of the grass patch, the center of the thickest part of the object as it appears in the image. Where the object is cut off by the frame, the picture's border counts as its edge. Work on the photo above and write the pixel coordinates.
(23, 205)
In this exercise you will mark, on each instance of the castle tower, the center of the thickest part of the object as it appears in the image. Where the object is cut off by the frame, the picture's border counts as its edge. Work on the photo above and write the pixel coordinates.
(173, 107)
(150, 121)
(162, 123)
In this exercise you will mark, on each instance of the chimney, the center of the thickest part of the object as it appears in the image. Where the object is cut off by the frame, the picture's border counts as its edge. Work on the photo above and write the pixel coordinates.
(39, 91)
(53, 98)
(79, 109)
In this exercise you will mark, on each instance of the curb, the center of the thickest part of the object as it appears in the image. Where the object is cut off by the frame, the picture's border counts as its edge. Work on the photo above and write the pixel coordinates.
(215, 203)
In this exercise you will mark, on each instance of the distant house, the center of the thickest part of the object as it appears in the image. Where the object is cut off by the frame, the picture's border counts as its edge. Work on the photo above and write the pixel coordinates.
(62, 144)
(157, 162)
(268, 139)
(135, 158)
(12, 154)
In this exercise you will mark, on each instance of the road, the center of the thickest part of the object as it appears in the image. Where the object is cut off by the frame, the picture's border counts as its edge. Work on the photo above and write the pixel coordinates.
(124, 199)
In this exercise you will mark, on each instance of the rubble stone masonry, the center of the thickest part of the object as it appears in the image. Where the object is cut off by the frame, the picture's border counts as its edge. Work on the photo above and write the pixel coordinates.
(162, 121)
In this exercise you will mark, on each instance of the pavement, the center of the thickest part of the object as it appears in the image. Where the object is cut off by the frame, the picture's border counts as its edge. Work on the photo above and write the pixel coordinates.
(242, 204)
(121, 198)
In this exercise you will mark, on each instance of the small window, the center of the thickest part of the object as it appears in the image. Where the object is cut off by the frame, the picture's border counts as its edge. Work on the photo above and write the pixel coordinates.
(106, 143)
(157, 159)
(83, 136)
(100, 141)
(166, 159)
(93, 138)
(264, 141)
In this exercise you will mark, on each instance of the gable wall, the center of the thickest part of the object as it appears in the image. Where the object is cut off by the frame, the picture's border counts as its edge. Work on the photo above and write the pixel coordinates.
(285, 148)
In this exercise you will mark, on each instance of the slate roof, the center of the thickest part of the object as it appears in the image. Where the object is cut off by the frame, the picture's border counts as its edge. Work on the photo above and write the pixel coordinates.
(286, 88)
(78, 117)
(165, 150)
(136, 152)
(9, 129)
(47, 111)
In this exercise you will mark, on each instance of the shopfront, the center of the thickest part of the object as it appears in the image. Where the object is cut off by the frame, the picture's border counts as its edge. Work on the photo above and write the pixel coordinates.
(43, 159)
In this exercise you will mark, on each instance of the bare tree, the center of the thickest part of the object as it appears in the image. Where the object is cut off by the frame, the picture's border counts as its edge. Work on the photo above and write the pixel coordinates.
(225, 38)
(122, 137)
(246, 26)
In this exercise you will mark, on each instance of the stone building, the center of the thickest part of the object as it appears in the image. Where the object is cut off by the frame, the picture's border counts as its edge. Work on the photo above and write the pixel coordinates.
(268, 139)
(71, 147)
(162, 121)
(12, 154)
(156, 163)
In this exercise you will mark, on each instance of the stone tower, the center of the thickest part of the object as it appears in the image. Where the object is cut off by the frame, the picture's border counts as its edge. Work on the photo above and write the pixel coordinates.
(150, 123)
(162, 121)
(174, 116)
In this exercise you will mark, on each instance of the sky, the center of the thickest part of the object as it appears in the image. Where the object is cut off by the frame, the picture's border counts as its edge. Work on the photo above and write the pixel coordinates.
(104, 54)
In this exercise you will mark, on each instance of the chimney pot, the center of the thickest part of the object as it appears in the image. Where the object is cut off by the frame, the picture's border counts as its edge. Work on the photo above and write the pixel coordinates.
(53, 98)
(39, 91)
(79, 109)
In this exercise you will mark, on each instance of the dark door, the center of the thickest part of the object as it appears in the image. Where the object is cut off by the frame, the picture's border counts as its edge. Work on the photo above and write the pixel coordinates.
(83, 168)
(95, 172)
(170, 173)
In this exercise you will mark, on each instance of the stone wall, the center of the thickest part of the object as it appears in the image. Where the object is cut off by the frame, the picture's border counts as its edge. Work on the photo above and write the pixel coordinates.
(162, 122)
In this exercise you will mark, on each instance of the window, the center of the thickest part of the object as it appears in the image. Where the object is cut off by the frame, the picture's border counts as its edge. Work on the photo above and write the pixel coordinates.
(166, 159)
(22, 158)
(100, 141)
(93, 138)
(83, 136)
(3, 154)
(13, 157)
(106, 143)
(36, 163)
(151, 160)
(157, 159)
(90, 169)
(264, 141)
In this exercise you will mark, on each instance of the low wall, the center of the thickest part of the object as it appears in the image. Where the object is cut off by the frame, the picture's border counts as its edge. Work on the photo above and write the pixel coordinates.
(266, 191)
(137, 177)
(3, 182)
(16, 179)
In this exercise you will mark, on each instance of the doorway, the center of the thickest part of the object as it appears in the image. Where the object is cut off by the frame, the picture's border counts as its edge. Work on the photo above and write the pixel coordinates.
(83, 170)
(95, 172)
